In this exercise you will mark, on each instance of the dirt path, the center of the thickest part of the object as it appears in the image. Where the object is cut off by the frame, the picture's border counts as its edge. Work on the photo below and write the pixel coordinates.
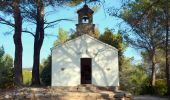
(148, 97)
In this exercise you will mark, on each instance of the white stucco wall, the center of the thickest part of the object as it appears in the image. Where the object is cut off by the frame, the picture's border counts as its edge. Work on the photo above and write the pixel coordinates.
(66, 62)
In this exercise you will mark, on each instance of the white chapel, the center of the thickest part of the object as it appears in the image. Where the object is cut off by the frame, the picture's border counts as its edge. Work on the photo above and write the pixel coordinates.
(85, 59)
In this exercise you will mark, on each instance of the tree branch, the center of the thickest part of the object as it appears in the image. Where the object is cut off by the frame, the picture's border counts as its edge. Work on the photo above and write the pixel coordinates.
(5, 3)
(148, 8)
(53, 23)
(50, 35)
(58, 20)
(26, 31)
(3, 21)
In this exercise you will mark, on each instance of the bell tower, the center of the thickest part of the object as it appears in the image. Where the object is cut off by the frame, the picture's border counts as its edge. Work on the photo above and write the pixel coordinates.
(85, 21)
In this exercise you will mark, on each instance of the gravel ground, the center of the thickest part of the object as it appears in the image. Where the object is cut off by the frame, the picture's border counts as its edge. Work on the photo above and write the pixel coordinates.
(148, 97)
(141, 97)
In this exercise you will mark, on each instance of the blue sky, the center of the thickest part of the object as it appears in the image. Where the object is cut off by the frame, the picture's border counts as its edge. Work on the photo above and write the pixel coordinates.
(101, 20)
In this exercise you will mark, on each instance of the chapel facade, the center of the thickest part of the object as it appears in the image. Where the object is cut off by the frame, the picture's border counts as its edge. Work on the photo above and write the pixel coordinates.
(85, 59)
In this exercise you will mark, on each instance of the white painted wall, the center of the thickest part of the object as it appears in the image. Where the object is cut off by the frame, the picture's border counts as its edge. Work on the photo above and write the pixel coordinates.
(67, 56)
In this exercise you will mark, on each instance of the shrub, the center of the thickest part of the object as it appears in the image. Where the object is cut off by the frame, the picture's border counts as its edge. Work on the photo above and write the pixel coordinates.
(146, 87)
(132, 77)
(6, 72)
(160, 88)
(46, 72)
(27, 76)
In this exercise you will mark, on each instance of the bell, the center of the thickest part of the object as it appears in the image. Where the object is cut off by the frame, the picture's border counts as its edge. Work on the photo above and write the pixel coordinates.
(85, 18)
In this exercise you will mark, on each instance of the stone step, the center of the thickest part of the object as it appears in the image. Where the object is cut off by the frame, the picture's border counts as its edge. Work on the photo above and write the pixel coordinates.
(59, 94)
(86, 88)
(105, 95)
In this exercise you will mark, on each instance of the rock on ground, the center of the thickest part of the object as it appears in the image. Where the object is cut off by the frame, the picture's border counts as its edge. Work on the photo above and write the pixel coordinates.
(148, 97)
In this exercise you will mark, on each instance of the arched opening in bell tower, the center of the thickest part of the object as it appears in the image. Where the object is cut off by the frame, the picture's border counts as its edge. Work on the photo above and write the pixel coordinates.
(85, 19)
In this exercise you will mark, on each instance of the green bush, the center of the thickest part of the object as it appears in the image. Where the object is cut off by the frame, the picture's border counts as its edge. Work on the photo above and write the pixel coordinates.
(27, 76)
(6, 70)
(132, 77)
(6, 76)
(146, 88)
(46, 72)
(160, 88)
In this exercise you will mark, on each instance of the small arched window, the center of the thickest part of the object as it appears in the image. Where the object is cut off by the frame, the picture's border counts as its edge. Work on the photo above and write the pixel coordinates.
(85, 19)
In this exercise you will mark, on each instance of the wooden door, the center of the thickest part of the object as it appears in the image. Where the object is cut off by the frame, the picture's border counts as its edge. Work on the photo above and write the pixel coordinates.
(86, 70)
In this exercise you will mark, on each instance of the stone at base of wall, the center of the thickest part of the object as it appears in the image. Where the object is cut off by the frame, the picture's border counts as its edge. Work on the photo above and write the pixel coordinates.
(56, 93)
(86, 87)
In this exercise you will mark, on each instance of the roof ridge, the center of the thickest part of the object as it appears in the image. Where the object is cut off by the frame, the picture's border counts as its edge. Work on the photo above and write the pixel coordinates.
(82, 36)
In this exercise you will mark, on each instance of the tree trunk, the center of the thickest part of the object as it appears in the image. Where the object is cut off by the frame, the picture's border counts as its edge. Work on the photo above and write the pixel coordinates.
(153, 75)
(38, 41)
(18, 43)
(167, 49)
